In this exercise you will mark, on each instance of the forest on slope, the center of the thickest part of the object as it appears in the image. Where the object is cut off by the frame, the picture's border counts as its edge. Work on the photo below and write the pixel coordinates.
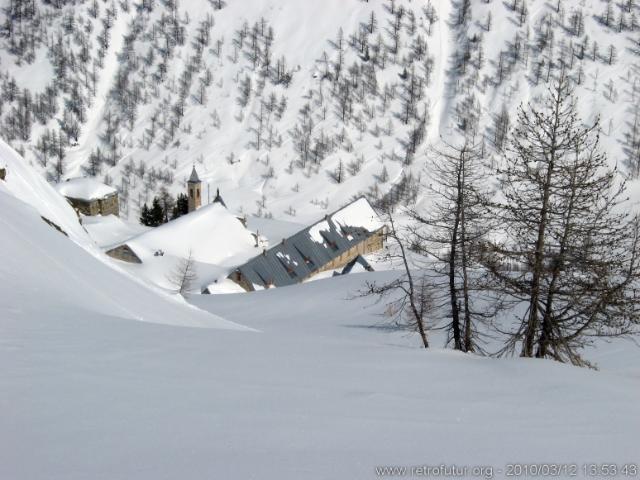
(291, 108)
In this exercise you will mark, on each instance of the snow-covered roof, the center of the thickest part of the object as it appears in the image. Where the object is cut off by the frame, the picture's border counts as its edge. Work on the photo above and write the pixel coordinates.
(358, 214)
(212, 234)
(84, 189)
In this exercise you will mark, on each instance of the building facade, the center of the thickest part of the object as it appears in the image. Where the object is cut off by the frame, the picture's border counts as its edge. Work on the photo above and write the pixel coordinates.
(90, 197)
(108, 205)
(194, 187)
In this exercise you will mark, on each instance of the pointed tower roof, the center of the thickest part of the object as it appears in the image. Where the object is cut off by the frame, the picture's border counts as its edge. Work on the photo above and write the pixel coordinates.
(219, 199)
(194, 176)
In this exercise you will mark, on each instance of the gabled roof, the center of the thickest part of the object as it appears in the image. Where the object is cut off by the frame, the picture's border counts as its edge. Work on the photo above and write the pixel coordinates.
(211, 234)
(194, 176)
(304, 253)
(87, 189)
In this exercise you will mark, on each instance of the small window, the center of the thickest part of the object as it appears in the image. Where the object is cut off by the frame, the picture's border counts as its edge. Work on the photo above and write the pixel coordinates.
(288, 268)
(333, 245)
(307, 260)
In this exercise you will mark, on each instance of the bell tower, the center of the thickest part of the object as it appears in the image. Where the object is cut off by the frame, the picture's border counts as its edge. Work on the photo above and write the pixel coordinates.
(194, 186)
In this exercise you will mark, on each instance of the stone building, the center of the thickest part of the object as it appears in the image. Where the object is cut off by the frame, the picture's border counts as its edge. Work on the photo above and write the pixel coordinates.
(90, 197)
(194, 187)
(332, 243)
(124, 253)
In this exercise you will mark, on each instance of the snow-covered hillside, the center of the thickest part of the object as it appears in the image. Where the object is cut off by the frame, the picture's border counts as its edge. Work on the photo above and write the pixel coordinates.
(326, 389)
(51, 270)
(291, 108)
(24, 183)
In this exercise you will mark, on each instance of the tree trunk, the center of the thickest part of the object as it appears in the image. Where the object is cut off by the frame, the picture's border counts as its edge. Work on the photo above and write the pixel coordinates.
(453, 292)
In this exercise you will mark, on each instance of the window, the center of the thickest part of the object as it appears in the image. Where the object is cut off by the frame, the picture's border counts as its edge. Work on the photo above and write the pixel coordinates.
(288, 268)
(333, 245)
(307, 261)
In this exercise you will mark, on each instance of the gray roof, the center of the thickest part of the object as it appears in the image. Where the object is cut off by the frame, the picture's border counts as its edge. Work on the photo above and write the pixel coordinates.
(359, 259)
(301, 256)
(194, 176)
(219, 199)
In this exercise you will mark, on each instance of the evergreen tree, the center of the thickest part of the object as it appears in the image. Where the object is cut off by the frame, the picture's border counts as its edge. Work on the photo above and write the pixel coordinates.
(145, 216)
(156, 214)
(181, 207)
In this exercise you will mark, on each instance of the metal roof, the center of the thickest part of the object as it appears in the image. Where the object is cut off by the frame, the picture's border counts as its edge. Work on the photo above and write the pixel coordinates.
(219, 199)
(300, 256)
(359, 259)
(194, 176)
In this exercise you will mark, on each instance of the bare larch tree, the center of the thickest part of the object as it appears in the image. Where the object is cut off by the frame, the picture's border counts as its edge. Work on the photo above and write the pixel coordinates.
(566, 230)
(449, 234)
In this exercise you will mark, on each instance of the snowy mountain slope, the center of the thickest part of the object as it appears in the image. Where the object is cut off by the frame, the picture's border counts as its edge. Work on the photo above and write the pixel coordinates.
(326, 390)
(47, 277)
(24, 183)
(261, 97)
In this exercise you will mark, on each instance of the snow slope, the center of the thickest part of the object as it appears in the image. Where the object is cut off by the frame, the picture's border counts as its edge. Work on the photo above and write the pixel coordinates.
(327, 389)
(45, 277)
(24, 183)
(111, 230)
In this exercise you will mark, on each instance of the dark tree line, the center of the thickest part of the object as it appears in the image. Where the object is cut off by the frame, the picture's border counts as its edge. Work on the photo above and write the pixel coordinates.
(164, 208)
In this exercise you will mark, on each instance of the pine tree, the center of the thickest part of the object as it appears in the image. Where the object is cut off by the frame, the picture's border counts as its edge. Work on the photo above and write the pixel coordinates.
(145, 216)
(156, 213)
(181, 207)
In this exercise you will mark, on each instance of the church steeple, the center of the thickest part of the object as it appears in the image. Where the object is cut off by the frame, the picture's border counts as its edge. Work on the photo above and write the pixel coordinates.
(194, 187)
(219, 199)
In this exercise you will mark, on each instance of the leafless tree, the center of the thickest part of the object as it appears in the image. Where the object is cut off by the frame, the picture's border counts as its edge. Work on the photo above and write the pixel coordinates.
(408, 296)
(183, 275)
(576, 249)
(450, 232)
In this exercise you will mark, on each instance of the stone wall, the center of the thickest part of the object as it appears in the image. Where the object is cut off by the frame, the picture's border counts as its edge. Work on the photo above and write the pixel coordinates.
(195, 196)
(372, 244)
(84, 207)
(124, 253)
(110, 205)
(105, 206)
